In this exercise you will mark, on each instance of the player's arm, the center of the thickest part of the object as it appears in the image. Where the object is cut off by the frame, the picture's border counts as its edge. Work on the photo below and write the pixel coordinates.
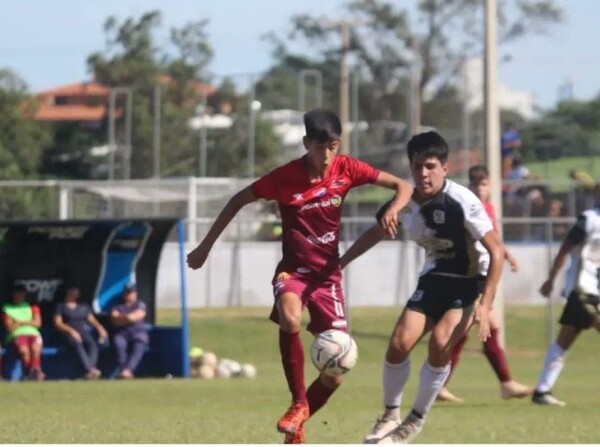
(197, 257)
(565, 248)
(404, 190)
(514, 265)
(576, 236)
(365, 242)
(495, 248)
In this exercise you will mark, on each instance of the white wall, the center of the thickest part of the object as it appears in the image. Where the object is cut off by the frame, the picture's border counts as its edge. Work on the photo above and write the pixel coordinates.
(378, 278)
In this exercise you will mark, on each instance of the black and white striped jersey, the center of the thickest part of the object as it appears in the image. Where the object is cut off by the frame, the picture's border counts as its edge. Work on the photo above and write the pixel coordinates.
(582, 275)
(447, 227)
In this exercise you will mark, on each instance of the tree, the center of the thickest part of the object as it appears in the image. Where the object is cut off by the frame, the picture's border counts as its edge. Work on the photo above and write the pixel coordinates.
(384, 37)
(132, 59)
(22, 141)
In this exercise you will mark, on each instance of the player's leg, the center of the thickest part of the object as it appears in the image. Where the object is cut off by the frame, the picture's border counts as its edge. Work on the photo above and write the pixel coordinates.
(496, 356)
(445, 394)
(288, 306)
(411, 326)
(573, 320)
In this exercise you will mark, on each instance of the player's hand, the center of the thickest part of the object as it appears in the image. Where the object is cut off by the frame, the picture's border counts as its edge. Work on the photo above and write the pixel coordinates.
(482, 318)
(197, 257)
(389, 222)
(546, 288)
(514, 265)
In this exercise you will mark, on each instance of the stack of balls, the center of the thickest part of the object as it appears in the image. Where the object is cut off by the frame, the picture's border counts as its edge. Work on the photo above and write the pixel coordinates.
(206, 365)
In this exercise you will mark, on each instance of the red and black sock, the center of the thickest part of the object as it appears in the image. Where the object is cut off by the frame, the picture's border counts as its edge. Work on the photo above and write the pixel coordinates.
(455, 355)
(318, 394)
(292, 358)
(496, 356)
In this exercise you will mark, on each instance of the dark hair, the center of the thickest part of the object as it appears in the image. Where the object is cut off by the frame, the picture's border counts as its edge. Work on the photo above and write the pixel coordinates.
(19, 287)
(478, 173)
(322, 125)
(428, 144)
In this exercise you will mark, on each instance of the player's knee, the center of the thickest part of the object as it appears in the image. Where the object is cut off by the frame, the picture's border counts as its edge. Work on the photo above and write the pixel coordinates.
(331, 382)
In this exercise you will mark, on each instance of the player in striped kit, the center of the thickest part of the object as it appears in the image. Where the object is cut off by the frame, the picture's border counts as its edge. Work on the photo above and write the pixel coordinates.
(582, 310)
(447, 220)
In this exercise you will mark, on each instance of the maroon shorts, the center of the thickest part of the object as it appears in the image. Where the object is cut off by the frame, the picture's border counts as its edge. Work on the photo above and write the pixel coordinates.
(26, 340)
(324, 300)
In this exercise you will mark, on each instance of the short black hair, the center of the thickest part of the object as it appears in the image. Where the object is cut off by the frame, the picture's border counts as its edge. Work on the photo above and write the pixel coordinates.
(478, 173)
(428, 144)
(322, 125)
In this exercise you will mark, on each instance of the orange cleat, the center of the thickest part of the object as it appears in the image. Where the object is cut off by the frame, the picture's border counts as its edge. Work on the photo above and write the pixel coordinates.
(294, 417)
(295, 438)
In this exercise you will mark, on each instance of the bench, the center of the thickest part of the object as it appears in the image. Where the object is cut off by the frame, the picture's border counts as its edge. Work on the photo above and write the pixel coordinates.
(60, 362)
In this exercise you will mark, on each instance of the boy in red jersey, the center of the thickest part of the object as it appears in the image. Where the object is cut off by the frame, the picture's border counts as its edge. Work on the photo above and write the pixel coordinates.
(479, 183)
(309, 191)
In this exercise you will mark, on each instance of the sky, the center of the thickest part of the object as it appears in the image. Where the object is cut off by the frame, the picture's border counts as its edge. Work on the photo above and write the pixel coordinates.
(47, 42)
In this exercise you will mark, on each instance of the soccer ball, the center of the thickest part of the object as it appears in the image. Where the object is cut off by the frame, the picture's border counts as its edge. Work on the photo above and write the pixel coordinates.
(248, 370)
(334, 352)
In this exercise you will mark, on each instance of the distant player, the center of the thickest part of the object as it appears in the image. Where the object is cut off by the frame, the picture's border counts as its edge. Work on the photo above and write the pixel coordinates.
(310, 192)
(582, 310)
(479, 183)
(446, 219)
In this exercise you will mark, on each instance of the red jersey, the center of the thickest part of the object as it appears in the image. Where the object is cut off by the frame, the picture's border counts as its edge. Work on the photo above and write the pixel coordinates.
(311, 212)
(489, 209)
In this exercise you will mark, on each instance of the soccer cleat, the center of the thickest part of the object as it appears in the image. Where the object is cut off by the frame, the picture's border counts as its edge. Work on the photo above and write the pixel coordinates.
(293, 418)
(546, 399)
(384, 426)
(512, 389)
(406, 432)
(445, 395)
(297, 437)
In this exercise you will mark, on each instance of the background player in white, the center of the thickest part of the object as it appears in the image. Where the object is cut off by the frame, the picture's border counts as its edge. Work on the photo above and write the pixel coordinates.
(445, 219)
(582, 310)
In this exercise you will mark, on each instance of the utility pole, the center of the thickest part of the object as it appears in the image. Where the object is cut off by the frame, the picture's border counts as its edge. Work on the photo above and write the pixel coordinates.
(156, 133)
(415, 89)
(492, 126)
(112, 138)
(344, 86)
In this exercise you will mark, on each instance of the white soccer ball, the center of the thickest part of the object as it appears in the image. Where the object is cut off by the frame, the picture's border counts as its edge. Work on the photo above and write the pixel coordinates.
(248, 370)
(206, 372)
(208, 359)
(334, 352)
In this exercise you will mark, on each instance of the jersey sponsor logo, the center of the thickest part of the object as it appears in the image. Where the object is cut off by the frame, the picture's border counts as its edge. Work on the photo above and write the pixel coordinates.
(338, 183)
(417, 296)
(334, 201)
(439, 217)
(324, 239)
(438, 248)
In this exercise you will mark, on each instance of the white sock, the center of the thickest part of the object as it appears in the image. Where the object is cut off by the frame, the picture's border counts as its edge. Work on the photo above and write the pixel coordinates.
(395, 377)
(553, 365)
(432, 381)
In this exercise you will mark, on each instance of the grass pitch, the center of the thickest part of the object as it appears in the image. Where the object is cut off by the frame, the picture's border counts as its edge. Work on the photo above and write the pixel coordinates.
(235, 411)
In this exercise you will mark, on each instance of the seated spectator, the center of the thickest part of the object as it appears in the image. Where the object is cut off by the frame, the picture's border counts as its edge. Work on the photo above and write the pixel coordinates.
(73, 320)
(510, 143)
(585, 190)
(130, 337)
(518, 171)
(22, 322)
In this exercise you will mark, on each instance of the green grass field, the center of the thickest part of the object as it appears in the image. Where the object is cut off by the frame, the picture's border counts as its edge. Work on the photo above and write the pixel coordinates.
(237, 411)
